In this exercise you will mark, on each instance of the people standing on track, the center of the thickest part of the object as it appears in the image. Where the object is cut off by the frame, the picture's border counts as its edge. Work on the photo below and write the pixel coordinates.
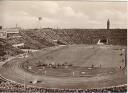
(73, 73)
(100, 65)
(92, 66)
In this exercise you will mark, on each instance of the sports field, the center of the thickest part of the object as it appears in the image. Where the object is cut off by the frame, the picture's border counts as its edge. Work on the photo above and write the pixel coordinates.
(71, 66)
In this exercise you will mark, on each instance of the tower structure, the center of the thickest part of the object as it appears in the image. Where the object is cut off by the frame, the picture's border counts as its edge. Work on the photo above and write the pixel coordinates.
(108, 24)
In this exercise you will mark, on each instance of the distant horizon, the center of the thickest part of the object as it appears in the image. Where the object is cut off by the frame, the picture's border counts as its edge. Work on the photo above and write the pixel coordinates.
(63, 28)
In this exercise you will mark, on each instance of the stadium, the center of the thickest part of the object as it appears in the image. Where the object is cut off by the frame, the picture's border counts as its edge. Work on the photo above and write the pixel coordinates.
(64, 60)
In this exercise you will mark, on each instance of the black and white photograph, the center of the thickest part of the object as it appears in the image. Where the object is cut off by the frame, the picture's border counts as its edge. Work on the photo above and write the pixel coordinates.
(63, 46)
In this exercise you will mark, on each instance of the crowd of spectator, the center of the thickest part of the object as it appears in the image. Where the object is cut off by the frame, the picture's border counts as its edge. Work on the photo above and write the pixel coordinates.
(91, 36)
(8, 86)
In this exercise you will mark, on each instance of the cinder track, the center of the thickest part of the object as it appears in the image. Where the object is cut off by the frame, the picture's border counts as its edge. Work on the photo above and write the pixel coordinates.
(109, 75)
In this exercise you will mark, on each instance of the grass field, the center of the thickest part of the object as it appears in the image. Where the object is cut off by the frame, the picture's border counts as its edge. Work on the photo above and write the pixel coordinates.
(108, 63)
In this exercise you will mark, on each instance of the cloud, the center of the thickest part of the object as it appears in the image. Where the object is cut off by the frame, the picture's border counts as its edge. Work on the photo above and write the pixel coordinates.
(63, 14)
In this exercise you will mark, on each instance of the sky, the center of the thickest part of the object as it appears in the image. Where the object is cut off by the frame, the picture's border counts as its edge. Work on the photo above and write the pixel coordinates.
(63, 14)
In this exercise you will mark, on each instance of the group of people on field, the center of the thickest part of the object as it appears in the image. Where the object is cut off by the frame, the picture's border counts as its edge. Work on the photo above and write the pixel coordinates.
(52, 65)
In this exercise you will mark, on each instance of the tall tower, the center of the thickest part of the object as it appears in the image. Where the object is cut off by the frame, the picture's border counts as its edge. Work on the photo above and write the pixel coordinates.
(108, 24)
